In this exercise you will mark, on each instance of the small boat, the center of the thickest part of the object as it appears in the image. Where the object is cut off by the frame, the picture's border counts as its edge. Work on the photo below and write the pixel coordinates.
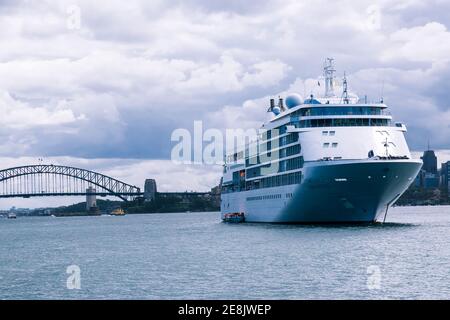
(118, 212)
(12, 215)
(235, 217)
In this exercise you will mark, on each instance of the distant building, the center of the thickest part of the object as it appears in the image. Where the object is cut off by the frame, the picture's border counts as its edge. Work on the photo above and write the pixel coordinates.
(429, 162)
(430, 180)
(150, 189)
(418, 180)
(428, 176)
(445, 176)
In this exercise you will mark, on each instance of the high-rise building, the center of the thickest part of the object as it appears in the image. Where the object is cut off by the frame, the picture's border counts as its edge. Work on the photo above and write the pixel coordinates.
(428, 176)
(445, 176)
(430, 180)
(429, 162)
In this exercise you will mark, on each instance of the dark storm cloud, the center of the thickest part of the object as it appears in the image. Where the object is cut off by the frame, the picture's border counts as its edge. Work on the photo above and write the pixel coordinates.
(134, 71)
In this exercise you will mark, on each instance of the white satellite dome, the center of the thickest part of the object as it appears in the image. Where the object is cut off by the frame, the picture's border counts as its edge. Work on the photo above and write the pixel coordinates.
(293, 100)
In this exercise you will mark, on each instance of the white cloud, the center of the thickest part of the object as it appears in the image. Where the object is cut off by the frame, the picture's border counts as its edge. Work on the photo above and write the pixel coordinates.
(122, 75)
(427, 43)
(20, 115)
(229, 75)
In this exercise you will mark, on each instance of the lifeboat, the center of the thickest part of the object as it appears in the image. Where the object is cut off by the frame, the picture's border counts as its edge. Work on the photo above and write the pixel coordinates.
(235, 217)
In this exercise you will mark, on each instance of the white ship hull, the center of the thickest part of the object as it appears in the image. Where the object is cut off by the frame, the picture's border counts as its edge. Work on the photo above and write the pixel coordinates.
(358, 191)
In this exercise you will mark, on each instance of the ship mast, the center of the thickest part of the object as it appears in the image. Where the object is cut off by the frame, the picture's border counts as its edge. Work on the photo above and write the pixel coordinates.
(328, 73)
(345, 91)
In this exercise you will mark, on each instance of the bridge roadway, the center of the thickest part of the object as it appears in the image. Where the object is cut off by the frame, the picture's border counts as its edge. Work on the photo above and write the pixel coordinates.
(101, 194)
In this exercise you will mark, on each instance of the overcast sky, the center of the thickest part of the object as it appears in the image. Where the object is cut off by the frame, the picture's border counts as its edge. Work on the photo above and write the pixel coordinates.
(103, 84)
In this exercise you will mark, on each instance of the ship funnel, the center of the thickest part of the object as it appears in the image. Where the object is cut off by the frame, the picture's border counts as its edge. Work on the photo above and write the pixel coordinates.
(281, 104)
(272, 104)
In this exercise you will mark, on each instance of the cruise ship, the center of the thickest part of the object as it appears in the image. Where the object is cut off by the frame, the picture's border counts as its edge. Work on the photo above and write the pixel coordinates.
(329, 159)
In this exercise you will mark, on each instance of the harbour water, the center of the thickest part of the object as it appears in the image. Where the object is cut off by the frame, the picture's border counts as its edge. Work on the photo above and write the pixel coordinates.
(195, 256)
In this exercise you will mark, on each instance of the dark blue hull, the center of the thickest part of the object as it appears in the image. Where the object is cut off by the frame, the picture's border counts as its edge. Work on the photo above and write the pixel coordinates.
(331, 192)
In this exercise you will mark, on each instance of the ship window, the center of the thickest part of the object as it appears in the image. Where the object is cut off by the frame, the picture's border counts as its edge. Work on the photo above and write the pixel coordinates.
(286, 179)
(343, 122)
(324, 133)
(325, 111)
(332, 133)
(326, 145)
(334, 145)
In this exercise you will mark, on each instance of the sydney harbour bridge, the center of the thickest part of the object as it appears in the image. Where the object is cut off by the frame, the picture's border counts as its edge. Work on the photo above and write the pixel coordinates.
(47, 180)
(56, 180)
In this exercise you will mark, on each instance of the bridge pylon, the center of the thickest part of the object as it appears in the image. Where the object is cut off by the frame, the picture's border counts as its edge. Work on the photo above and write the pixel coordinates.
(91, 199)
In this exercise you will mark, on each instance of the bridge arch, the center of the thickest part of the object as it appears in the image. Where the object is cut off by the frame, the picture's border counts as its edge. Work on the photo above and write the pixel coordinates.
(42, 180)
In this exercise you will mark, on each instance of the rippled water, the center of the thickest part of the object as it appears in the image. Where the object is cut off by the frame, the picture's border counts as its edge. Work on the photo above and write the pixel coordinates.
(195, 256)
